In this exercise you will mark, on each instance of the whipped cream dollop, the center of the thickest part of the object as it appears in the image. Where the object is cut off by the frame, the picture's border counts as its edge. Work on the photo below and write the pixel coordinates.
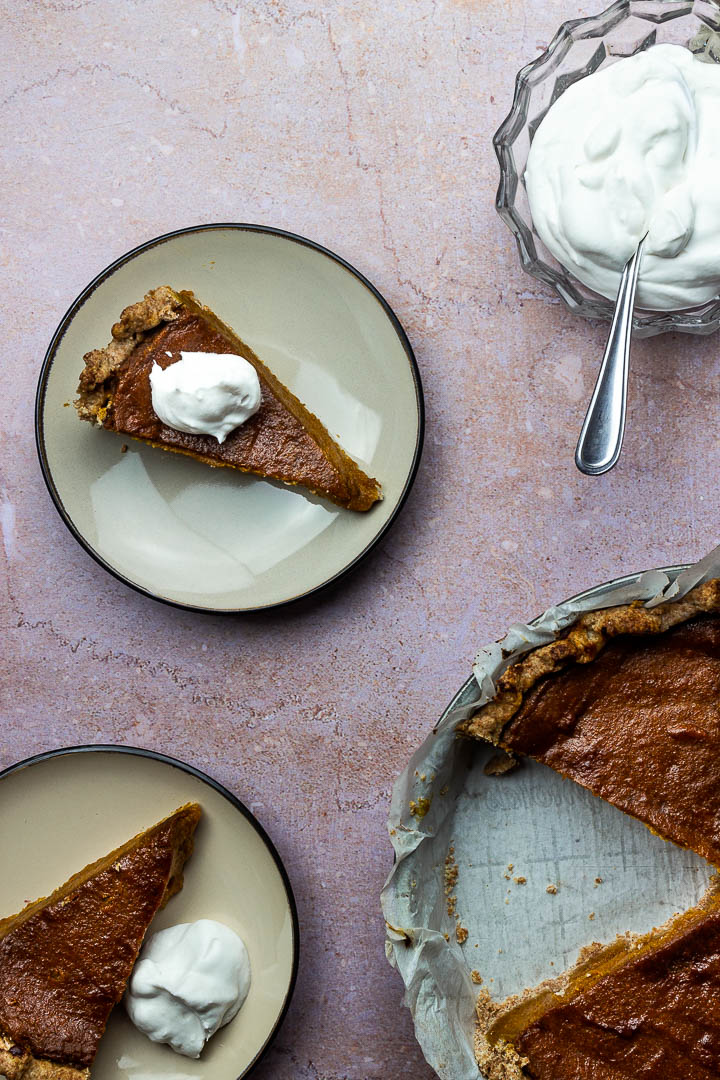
(189, 981)
(634, 149)
(205, 393)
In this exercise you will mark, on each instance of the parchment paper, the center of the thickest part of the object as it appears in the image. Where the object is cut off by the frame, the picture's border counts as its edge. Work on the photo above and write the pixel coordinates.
(610, 872)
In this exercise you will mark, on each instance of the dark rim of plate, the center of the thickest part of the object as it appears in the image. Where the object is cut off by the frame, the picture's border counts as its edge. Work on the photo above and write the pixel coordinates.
(137, 751)
(60, 333)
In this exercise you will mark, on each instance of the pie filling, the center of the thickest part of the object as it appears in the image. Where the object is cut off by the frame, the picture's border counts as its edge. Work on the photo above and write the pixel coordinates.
(655, 1017)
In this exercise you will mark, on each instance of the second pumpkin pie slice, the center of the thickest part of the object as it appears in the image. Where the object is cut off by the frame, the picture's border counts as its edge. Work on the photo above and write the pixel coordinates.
(65, 959)
(283, 440)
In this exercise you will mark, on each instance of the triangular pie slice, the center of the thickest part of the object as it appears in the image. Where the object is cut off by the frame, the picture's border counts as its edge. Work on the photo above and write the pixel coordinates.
(283, 440)
(627, 703)
(642, 1008)
(65, 959)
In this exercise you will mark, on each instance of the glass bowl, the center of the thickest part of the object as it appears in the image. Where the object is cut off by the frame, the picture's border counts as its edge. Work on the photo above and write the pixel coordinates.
(579, 48)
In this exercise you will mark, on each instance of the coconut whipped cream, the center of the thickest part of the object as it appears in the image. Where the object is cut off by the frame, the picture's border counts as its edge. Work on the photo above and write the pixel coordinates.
(629, 150)
(189, 981)
(205, 393)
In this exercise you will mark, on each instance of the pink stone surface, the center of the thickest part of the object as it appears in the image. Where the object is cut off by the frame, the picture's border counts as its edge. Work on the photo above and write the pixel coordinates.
(367, 128)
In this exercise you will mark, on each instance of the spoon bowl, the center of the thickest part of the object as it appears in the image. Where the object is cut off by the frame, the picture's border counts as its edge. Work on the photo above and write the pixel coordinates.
(601, 436)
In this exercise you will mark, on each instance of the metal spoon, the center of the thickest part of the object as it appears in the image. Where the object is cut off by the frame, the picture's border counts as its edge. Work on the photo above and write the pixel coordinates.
(601, 437)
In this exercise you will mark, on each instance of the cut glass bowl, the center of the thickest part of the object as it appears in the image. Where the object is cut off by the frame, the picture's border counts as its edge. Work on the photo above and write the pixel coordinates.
(579, 48)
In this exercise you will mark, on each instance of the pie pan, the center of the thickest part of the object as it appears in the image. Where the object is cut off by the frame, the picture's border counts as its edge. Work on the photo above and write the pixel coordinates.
(508, 838)
(106, 795)
(215, 539)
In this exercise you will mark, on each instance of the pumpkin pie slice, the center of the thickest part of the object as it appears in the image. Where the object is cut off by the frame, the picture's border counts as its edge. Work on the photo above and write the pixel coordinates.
(65, 959)
(626, 702)
(642, 1008)
(283, 440)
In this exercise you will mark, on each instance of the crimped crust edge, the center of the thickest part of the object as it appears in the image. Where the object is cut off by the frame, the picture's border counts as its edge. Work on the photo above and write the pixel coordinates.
(101, 365)
(580, 644)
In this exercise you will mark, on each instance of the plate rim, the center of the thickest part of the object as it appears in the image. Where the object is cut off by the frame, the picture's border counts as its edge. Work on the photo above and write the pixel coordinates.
(198, 774)
(84, 295)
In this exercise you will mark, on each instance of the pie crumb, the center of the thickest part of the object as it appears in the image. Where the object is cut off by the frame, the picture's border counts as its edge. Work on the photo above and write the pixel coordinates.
(500, 764)
(500, 1061)
(419, 807)
(476, 977)
(451, 877)
(552, 889)
(520, 880)
(461, 934)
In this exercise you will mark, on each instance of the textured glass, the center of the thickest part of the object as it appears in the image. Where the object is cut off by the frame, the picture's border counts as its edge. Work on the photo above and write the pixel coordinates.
(579, 48)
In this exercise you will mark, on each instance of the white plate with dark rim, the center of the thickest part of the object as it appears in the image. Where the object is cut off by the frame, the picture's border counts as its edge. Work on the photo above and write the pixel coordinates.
(213, 539)
(110, 793)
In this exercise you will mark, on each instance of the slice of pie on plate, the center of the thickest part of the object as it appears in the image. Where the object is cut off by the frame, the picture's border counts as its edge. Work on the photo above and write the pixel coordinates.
(283, 440)
(65, 959)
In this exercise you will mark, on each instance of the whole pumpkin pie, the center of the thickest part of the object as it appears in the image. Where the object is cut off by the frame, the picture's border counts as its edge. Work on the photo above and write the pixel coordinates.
(65, 959)
(283, 440)
(625, 702)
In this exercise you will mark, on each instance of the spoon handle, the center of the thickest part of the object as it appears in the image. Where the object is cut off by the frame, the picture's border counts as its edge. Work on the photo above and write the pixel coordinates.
(601, 437)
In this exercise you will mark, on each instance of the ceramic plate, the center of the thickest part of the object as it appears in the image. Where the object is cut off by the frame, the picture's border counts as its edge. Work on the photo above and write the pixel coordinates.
(212, 539)
(108, 794)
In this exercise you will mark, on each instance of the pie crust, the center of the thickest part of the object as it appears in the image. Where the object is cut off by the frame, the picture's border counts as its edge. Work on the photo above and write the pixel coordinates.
(580, 644)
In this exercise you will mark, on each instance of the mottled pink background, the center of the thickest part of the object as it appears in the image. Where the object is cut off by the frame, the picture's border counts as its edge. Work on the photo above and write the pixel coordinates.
(367, 128)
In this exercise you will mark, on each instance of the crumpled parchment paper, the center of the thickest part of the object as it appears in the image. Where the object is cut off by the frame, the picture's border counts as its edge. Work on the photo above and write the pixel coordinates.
(478, 854)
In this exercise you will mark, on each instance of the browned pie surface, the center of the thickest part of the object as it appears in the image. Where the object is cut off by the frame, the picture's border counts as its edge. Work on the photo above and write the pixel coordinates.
(640, 727)
(65, 963)
(656, 1018)
(272, 441)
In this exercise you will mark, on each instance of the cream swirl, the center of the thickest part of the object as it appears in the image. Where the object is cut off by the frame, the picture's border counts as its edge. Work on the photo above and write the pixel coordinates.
(634, 149)
(190, 980)
(205, 393)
